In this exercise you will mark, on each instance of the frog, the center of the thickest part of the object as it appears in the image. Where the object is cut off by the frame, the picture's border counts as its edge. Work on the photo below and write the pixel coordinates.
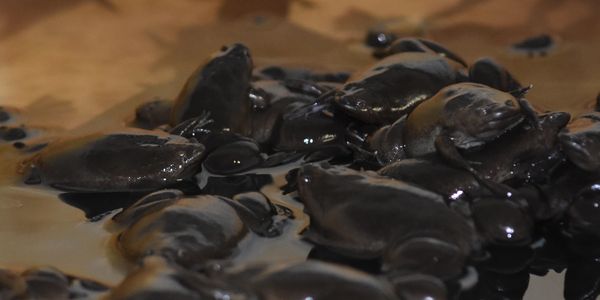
(220, 87)
(363, 215)
(128, 160)
(580, 141)
(395, 85)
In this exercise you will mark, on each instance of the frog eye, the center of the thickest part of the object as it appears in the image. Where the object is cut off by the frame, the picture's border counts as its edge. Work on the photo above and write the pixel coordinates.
(509, 103)
(361, 104)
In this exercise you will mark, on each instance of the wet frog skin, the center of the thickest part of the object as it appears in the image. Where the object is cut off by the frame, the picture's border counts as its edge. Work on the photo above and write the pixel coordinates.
(468, 114)
(516, 154)
(366, 216)
(452, 183)
(127, 161)
(394, 86)
(220, 88)
(186, 230)
(488, 72)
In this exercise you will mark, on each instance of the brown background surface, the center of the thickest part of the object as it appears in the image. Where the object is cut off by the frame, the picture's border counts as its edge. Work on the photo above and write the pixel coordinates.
(64, 61)
(85, 64)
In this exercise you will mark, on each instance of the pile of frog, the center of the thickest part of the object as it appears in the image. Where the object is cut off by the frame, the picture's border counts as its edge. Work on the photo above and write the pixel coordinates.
(423, 178)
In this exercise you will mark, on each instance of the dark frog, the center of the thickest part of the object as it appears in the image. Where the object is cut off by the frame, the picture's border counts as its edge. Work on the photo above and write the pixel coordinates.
(464, 115)
(395, 85)
(191, 230)
(127, 161)
(362, 215)
(157, 279)
(185, 230)
(219, 88)
(580, 141)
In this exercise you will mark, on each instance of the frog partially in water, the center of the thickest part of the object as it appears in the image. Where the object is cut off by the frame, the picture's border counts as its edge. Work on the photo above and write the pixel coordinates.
(47, 283)
(124, 161)
(394, 86)
(158, 279)
(191, 230)
(366, 216)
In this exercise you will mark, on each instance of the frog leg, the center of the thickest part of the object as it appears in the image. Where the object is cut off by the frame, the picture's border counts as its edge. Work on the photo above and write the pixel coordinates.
(437, 48)
(530, 114)
(448, 151)
(526, 108)
(188, 127)
(304, 87)
(327, 97)
(521, 92)
(257, 212)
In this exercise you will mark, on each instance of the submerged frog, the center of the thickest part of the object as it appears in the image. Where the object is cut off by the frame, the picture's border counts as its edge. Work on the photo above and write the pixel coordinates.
(157, 279)
(580, 141)
(47, 283)
(126, 161)
(394, 86)
(190, 230)
(366, 216)
(11, 134)
(219, 88)
(307, 279)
